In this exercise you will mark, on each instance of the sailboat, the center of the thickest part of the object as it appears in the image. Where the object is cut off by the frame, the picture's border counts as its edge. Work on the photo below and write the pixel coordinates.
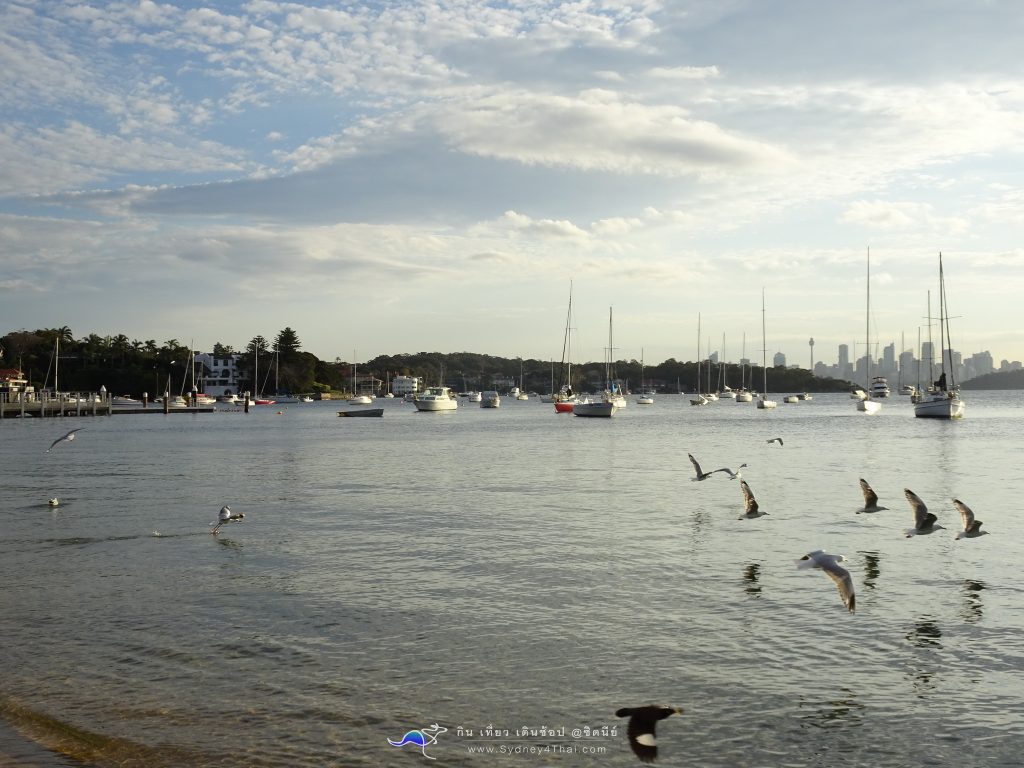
(744, 395)
(763, 402)
(564, 398)
(700, 399)
(942, 400)
(357, 399)
(608, 405)
(724, 390)
(645, 396)
(613, 390)
(868, 404)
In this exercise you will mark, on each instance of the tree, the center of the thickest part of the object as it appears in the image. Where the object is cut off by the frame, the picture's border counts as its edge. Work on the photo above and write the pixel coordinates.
(223, 350)
(287, 342)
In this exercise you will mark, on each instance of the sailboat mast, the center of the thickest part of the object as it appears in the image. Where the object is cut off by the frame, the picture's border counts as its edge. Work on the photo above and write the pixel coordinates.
(867, 332)
(944, 318)
(764, 350)
(931, 344)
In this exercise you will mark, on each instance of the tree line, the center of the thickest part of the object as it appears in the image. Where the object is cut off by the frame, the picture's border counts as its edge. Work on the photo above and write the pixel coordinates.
(130, 366)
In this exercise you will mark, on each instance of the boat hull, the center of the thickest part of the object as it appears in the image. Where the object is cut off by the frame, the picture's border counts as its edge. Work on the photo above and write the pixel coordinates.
(868, 406)
(564, 407)
(765, 404)
(942, 406)
(595, 409)
(363, 412)
(436, 405)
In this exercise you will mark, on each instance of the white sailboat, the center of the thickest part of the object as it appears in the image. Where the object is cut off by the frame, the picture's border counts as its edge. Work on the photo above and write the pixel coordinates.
(608, 405)
(645, 396)
(942, 400)
(565, 397)
(763, 402)
(868, 404)
(744, 395)
(700, 399)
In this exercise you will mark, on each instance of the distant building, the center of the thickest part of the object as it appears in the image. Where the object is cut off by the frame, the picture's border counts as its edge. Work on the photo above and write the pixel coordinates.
(217, 375)
(779, 360)
(406, 385)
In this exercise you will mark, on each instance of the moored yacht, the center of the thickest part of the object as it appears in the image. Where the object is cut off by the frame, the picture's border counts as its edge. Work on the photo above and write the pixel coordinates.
(436, 399)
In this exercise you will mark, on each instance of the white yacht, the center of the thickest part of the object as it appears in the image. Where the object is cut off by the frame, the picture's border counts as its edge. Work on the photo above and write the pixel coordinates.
(490, 399)
(880, 387)
(436, 399)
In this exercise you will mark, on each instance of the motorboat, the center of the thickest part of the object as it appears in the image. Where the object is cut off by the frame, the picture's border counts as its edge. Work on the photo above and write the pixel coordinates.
(436, 399)
(490, 399)
(474, 397)
(879, 387)
(361, 400)
(791, 399)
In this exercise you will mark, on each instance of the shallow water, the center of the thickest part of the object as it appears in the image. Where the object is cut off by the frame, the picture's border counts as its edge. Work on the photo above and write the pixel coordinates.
(509, 569)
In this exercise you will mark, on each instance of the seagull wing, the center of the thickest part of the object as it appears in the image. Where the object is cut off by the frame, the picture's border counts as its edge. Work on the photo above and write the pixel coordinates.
(67, 436)
(844, 583)
(696, 466)
(749, 502)
(921, 514)
(870, 497)
(966, 515)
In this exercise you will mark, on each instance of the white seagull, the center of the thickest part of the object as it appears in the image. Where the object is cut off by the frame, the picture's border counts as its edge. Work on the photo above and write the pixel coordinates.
(972, 527)
(750, 508)
(701, 475)
(924, 521)
(775, 440)
(226, 516)
(55, 502)
(830, 565)
(69, 437)
(870, 498)
(732, 475)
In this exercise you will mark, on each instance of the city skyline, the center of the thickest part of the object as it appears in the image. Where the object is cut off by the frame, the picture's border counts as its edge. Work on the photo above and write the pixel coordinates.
(402, 177)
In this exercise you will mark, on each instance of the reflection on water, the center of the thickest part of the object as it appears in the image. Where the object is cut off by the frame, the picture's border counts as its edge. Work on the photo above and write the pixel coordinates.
(844, 711)
(751, 574)
(925, 634)
(972, 600)
(871, 560)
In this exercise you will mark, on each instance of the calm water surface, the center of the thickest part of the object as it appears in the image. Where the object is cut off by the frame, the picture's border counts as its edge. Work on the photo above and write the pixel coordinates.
(509, 569)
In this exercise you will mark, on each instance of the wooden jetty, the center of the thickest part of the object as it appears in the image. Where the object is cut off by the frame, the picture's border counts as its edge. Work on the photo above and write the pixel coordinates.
(83, 404)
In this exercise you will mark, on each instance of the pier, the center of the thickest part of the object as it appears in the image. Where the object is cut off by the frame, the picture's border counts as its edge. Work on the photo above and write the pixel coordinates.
(83, 404)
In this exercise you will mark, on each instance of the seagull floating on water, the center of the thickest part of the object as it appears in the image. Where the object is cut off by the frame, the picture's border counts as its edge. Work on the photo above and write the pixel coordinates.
(775, 440)
(870, 498)
(732, 475)
(69, 437)
(55, 502)
(972, 527)
(701, 475)
(642, 722)
(226, 516)
(924, 521)
(751, 509)
(830, 565)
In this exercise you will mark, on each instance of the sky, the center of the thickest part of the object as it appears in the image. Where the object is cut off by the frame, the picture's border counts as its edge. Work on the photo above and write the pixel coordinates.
(401, 177)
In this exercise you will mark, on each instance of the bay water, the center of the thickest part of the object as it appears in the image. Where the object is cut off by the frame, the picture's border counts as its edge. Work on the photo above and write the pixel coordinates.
(512, 576)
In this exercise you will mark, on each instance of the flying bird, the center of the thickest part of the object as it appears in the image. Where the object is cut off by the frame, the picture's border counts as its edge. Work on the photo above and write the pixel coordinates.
(69, 437)
(226, 516)
(870, 498)
(972, 527)
(924, 521)
(732, 475)
(642, 722)
(701, 475)
(775, 440)
(830, 565)
(750, 508)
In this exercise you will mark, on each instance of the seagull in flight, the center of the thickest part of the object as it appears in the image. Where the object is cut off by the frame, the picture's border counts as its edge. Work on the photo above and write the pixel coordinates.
(69, 437)
(732, 475)
(775, 440)
(642, 722)
(751, 509)
(701, 475)
(226, 516)
(924, 521)
(830, 565)
(972, 527)
(870, 498)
